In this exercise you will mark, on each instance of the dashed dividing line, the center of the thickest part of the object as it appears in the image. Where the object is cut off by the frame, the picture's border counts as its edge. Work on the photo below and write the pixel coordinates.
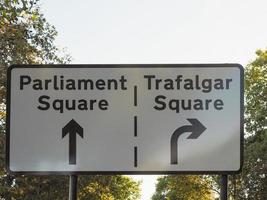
(135, 156)
(135, 127)
(135, 95)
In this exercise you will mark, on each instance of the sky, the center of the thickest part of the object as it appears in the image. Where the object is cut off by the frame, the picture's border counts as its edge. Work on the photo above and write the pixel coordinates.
(157, 31)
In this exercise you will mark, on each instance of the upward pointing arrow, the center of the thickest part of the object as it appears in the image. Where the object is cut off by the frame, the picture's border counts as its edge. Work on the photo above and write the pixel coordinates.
(196, 128)
(72, 128)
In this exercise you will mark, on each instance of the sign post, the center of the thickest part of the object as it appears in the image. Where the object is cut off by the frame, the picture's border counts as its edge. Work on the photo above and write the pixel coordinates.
(73, 187)
(224, 186)
(125, 119)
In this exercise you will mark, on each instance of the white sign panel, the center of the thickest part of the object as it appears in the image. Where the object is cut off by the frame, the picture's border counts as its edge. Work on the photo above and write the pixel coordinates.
(125, 119)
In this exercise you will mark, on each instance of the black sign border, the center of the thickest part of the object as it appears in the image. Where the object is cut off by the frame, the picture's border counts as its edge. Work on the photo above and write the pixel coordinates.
(210, 65)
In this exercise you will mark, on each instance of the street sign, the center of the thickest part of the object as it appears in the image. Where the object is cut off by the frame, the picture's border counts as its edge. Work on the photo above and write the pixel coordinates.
(125, 119)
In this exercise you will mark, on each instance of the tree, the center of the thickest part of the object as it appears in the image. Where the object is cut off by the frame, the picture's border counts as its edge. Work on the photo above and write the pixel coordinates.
(254, 176)
(181, 187)
(252, 182)
(89, 187)
(256, 94)
(109, 188)
(27, 38)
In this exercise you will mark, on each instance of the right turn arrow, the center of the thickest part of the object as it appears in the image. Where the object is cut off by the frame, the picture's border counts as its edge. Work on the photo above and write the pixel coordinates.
(196, 128)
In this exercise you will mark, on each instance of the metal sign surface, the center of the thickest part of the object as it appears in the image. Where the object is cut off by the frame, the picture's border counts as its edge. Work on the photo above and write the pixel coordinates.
(125, 119)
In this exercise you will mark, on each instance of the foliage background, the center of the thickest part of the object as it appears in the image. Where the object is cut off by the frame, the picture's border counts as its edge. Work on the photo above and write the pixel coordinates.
(27, 38)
